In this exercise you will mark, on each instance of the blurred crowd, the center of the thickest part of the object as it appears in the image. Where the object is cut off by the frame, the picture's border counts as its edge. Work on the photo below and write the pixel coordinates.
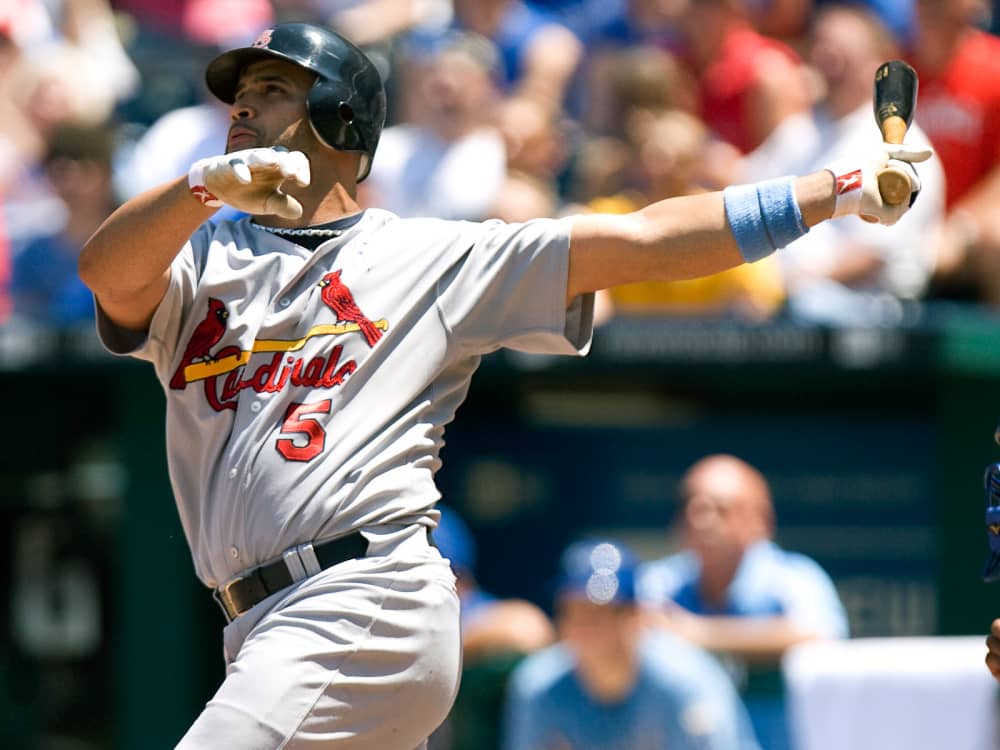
(515, 109)
(683, 650)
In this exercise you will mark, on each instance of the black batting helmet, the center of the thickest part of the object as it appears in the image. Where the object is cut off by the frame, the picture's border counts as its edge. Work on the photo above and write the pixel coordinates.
(347, 102)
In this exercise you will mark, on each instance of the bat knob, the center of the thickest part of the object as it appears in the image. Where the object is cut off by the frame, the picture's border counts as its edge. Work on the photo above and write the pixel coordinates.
(894, 186)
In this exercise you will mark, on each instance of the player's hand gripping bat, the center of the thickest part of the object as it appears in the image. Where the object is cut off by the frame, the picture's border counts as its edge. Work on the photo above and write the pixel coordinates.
(895, 100)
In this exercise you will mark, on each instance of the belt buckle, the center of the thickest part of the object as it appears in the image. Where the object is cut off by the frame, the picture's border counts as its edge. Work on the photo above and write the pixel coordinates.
(225, 602)
(258, 593)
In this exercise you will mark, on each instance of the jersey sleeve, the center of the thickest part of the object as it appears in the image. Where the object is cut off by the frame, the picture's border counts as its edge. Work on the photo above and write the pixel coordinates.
(810, 599)
(510, 291)
(658, 581)
(157, 345)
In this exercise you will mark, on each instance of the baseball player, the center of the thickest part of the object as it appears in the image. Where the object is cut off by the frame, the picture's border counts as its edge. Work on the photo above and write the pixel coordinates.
(312, 353)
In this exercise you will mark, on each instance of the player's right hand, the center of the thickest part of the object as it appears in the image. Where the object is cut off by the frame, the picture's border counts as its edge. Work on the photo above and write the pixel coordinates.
(250, 181)
(857, 183)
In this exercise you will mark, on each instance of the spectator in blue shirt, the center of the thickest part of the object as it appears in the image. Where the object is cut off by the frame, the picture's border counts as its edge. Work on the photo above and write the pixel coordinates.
(735, 592)
(497, 632)
(45, 285)
(610, 683)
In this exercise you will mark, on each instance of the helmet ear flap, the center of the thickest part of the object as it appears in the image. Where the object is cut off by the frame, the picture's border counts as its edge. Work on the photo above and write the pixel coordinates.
(332, 115)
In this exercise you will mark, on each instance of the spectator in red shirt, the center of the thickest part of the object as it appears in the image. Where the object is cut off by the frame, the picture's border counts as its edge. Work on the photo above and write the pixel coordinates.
(749, 84)
(959, 108)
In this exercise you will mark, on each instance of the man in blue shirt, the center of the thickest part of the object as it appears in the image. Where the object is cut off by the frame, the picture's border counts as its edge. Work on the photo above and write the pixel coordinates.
(733, 591)
(45, 286)
(497, 632)
(610, 683)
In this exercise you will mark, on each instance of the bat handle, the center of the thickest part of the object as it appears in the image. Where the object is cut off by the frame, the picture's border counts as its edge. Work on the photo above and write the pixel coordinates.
(894, 184)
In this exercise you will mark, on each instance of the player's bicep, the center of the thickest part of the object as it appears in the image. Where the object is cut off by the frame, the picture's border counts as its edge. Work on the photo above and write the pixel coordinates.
(134, 310)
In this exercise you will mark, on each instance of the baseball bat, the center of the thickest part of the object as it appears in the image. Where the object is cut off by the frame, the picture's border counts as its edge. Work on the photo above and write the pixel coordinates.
(895, 99)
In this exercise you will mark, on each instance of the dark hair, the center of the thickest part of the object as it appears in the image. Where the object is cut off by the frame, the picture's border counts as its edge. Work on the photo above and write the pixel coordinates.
(81, 142)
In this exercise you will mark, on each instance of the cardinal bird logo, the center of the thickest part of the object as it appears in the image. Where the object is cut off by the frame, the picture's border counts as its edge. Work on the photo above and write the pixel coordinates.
(207, 334)
(339, 299)
(264, 39)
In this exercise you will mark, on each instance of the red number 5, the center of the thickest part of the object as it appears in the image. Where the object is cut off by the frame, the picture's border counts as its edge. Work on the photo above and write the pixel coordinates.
(300, 419)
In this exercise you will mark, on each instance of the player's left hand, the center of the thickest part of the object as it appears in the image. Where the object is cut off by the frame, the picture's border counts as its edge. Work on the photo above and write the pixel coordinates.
(250, 180)
(857, 182)
(993, 644)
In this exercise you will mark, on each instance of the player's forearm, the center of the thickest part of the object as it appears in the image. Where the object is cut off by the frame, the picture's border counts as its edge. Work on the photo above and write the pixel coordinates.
(674, 239)
(137, 243)
(754, 638)
(126, 263)
(759, 639)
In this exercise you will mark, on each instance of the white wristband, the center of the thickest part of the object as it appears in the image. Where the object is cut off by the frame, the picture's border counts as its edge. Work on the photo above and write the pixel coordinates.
(196, 184)
(849, 182)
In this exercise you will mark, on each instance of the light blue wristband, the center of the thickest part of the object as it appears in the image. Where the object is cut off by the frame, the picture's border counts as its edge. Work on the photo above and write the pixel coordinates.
(763, 216)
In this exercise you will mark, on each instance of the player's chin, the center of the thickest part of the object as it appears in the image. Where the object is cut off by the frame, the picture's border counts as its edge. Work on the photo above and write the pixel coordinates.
(240, 143)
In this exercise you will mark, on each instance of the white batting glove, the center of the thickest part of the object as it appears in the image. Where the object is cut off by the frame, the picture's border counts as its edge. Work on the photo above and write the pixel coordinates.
(857, 183)
(250, 180)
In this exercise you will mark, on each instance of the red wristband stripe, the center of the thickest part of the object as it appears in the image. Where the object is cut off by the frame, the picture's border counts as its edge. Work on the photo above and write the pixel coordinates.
(201, 193)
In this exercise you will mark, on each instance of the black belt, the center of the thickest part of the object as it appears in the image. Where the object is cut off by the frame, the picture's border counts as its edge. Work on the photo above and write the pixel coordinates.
(240, 594)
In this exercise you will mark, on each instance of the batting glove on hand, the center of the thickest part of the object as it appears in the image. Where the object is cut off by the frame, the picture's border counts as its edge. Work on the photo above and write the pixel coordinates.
(857, 190)
(250, 180)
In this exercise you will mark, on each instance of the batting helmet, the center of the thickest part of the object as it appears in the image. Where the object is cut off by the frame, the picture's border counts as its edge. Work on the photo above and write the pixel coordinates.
(346, 103)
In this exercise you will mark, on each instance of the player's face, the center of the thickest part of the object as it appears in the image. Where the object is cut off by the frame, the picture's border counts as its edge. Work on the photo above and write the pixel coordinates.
(952, 13)
(602, 633)
(842, 46)
(270, 108)
(720, 517)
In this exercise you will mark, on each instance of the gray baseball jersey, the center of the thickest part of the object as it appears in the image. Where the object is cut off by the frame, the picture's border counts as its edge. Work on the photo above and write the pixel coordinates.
(308, 391)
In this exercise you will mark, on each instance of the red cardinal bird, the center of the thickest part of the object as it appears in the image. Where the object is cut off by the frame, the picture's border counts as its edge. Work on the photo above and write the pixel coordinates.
(207, 334)
(341, 301)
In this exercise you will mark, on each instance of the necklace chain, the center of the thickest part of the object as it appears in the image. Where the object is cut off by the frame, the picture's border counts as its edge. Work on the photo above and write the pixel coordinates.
(302, 232)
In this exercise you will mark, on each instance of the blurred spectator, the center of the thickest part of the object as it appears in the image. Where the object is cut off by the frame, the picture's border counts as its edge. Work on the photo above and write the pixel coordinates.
(538, 54)
(496, 634)
(171, 42)
(898, 16)
(735, 592)
(59, 62)
(170, 145)
(9, 159)
(780, 19)
(523, 197)
(212, 23)
(668, 155)
(534, 138)
(449, 162)
(609, 682)
(367, 22)
(46, 287)
(849, 272)
(539, 58)
(81, 70)
(5, 274)
(632, 83)
(959, 108)
(753, 90)
(489, 624)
